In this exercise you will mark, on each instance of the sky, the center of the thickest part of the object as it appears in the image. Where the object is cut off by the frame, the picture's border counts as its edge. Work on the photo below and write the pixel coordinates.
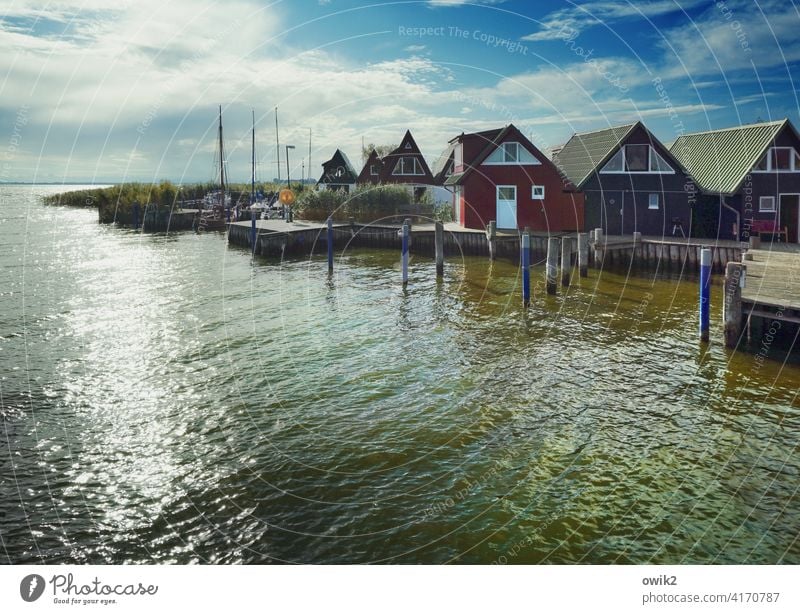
(99, 91)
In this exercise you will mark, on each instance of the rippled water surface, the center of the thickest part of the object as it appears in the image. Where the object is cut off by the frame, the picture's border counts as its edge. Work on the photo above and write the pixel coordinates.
(166, 399)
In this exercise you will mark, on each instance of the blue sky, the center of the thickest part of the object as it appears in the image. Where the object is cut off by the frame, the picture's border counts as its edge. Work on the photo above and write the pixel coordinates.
(102, 91)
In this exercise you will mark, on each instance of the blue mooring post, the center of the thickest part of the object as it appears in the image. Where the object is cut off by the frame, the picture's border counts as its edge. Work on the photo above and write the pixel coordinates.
(526, 269)
(405, 254)
(136, 216)
(705, 292)
(228, 214)
(330, 243)
(253, 230)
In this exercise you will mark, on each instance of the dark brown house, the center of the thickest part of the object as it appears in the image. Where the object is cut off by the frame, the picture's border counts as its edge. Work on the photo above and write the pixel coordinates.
(337, 173)
(750, 176)
(631, 181)
(371, 173)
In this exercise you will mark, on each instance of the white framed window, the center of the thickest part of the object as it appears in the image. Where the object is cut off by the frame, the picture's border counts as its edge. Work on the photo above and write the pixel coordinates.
(652, 201)
(766, 203)
(458, 157)
(373, 170)
(640, 158)
(779, 160)
(537, 192)
(408, 146)
(507, 192)
(408, 166)
(510, 152)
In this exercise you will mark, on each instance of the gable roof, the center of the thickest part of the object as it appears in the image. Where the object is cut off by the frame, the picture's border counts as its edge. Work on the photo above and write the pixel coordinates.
(719, 160)
(587, 151)
(407, 148)
(339, 159)
(492, 140)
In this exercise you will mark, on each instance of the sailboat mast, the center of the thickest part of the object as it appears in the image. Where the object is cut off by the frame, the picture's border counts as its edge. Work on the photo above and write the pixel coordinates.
(221, 163)
(277, 144)
(253, 155)
(309, 153)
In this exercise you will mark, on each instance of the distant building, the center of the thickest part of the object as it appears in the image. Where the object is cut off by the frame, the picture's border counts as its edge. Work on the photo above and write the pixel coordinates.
(499, 175)
(337, 173)
(750, 176)
(405, 165)
(630, 179)
(373, 168)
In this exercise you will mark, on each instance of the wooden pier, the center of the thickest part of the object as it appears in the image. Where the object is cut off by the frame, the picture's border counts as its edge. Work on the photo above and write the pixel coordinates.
(668, 253)
(762, 299)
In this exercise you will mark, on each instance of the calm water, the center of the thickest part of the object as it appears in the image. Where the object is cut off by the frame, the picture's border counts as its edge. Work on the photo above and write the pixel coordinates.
(164, 399)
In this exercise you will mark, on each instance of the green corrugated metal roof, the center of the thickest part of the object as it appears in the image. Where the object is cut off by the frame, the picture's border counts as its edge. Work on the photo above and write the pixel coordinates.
(585, 152)
(719, 160)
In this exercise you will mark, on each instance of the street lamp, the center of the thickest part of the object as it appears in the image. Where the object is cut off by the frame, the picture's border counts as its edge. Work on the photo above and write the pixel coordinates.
(288, 182)
(288, 211)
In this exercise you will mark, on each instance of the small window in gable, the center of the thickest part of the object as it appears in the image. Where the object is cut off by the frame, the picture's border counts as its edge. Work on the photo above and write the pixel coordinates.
(537, 192)
(373, 170)
(510, 152)
(408, 146)
(658, 164)
(652, 201)
(614, 165)
(766, 203)
(636, 157)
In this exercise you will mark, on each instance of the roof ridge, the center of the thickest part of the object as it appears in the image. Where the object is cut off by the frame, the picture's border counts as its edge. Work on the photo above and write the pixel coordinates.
(776, 122)
(604, 129)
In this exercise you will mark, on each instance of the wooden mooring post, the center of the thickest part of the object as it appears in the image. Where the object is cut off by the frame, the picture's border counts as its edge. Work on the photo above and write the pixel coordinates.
(583, 254)
(705, 292)
(525, 248)
(439, 248)
(404, 252)
(491, 237)
(566, 260)
(732, 306)
(330, 243)
(551, 269)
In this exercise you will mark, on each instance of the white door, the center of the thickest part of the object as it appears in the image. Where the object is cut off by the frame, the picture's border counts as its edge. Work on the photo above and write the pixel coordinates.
(506, 206)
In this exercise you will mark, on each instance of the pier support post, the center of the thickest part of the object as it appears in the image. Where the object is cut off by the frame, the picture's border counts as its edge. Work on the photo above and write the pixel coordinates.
(439, 248)
(551, 270)
(598, 250)
(330, 243)
(583, 254)
(732, 307)
(491, 236)
(525, 247)
(404, 253)
(705, 292)
(253, 231)
(755, 242)
(566, 260)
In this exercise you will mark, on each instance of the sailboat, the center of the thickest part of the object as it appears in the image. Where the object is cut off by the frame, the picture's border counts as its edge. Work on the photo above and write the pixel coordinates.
(216, 217)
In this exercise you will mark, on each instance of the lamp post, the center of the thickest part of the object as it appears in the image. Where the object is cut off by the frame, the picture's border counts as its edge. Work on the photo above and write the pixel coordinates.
(288, 181)
(288, 215)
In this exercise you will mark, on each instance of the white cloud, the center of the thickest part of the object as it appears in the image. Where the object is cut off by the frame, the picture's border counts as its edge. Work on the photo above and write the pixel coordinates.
(574, 19)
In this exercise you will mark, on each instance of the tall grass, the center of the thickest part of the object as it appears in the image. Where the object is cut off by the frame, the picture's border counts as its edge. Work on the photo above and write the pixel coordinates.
(364, 204)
